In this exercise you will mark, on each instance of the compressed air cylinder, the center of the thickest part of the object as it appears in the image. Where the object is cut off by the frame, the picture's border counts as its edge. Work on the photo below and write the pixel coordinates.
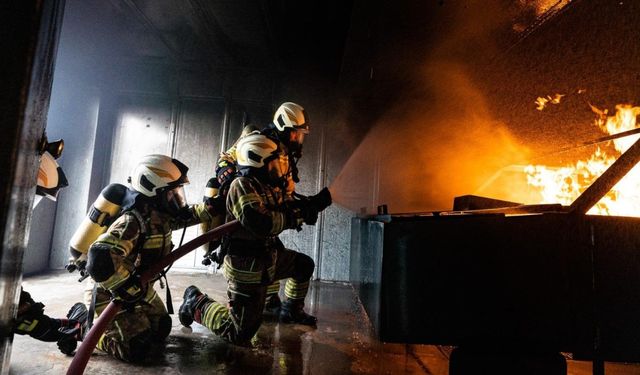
(101, 214)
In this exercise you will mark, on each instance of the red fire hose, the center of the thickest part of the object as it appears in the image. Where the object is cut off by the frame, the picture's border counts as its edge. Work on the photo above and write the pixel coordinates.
(83, 353)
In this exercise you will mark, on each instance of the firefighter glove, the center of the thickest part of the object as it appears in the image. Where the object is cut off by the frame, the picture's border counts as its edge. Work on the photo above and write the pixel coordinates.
(215, 205)
(79, 263)
(304, 212)
(216, 255)
(225, 174)
(321, 200)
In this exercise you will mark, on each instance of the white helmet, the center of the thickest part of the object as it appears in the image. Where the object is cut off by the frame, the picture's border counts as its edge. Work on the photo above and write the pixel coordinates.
(291, 115)
(154, 173)
(51, 178)
(255, 150)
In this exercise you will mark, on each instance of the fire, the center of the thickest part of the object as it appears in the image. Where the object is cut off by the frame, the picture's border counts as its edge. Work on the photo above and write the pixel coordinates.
(541, 102)
(564, 185)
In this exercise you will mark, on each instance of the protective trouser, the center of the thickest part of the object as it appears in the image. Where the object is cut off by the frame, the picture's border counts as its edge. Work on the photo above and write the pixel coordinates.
(248, 279)
(136, 330)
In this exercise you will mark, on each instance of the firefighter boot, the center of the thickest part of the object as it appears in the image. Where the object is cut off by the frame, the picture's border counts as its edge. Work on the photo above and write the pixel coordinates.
(272, 304)
(74, 330)
(292, 311)
(193, 300)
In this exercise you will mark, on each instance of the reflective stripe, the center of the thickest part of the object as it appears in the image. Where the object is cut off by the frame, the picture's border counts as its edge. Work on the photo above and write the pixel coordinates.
(156, 241)
(247, 277)
(27, 326)
(115, 280)
(214, 315)
(123, 246)
(273, 288)
(296, 290)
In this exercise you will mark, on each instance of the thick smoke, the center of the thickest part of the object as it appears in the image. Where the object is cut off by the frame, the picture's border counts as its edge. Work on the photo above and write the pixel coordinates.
(441, 140)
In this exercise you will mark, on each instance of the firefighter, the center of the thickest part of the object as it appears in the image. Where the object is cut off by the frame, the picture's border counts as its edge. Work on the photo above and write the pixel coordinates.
(31, 319)
(153, 206)
(217, 188)
(255, 258)
(289, 127)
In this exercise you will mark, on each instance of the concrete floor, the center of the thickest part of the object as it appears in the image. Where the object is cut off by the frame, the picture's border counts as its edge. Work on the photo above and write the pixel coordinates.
(343, 342)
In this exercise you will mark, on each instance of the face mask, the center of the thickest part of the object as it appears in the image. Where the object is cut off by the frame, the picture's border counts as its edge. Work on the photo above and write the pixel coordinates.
(279, 171)
(174, 200)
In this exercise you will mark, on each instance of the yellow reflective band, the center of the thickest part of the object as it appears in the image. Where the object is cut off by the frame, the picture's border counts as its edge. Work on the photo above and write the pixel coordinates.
(155, 242)
(242, 277)
(273, 288)
(115, 280)
(296, 290)
(246, 200)
(123, 246)
(27, 326)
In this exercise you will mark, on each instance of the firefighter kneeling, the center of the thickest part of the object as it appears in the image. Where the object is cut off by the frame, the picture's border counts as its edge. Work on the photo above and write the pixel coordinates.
(255, 258)
(136, 239)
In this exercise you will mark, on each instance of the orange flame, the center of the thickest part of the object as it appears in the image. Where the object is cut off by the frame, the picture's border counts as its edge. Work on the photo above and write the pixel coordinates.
(564, 185)
(541, 102)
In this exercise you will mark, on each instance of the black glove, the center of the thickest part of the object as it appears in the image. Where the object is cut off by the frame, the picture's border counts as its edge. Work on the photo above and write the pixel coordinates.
(309, 214)
(302, 211)
(321, 200)
(131, 291)
(79, 263)
(215, 254)
(67, 344)
(216, 205)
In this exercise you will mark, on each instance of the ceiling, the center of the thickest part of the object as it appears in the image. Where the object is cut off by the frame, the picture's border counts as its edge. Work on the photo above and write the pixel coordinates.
(278, 35)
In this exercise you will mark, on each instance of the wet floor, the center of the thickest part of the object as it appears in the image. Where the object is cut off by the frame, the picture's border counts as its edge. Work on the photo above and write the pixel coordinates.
(343, 342)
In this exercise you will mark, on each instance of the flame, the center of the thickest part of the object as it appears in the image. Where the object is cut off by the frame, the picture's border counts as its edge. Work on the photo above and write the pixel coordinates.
(564, 185)
(541, 102)
(543, 6)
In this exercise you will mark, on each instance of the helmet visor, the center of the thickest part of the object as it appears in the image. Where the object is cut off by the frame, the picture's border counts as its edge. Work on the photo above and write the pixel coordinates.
(279, 169)
(297, 135)
(176, 199)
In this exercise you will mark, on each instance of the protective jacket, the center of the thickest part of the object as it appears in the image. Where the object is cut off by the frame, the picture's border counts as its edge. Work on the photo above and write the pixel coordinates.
(135, 240)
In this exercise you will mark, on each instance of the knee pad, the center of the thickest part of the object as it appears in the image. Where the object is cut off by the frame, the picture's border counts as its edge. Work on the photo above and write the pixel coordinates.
(164, 327)
(304, 267)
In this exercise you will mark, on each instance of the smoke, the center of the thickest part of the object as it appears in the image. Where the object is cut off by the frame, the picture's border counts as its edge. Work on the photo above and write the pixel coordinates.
(441, 139)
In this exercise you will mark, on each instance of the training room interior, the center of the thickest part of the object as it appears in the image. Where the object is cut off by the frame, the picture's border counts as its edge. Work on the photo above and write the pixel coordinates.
(480, 157)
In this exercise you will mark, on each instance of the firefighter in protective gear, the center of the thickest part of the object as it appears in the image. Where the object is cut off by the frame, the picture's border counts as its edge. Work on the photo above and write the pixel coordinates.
(217, 188)
(216, 192)
(289, 127)
(31, 319)
(255, 258)
(155, 204)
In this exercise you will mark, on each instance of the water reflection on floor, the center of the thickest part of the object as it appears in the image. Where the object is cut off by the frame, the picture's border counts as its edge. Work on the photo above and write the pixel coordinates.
(343, 342)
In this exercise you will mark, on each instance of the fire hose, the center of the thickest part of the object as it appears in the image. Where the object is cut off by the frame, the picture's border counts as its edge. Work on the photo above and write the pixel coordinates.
(83, 353)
